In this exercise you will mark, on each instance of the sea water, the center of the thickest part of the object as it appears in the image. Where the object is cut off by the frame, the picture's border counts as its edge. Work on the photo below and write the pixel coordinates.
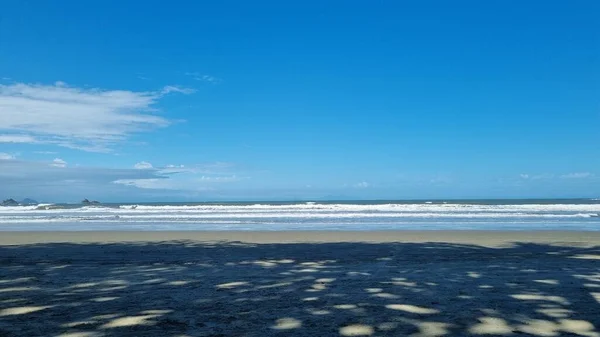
(581, 214)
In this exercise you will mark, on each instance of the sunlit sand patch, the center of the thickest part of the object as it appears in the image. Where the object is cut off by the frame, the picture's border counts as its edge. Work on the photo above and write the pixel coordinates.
(130, 321)
(286, 261)
(80, 334)
(17, 289)
(78, 323)
(412, 309)
(318, 312)
(579, 327)
(386, 295)
(103, 317)
(276, 285)
(13, 300)
(287, 323)
(83, 285)
(17, 280)
(555, 312)
(231, 285)
(156, 312)
(551, 282)
(308, 299)
(113, 288)
(491, 326)
(357, 330)
(103, 299)
(325, 280)
(539, 327)
(319, 286)
(473, 274)
(586, 256)
(356, 273)
(265, 264)
(401, 282)
(22, 310)
(533, 297)
(157, 269)
(431, 329)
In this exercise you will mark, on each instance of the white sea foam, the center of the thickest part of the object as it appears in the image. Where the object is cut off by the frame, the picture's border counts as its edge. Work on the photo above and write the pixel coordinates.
(309, 215)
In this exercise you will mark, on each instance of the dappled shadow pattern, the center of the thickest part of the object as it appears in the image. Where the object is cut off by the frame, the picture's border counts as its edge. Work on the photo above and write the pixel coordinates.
(328, 289)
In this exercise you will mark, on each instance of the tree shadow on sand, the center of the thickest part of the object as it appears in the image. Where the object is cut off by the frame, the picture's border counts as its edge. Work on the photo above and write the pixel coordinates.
(305, 289)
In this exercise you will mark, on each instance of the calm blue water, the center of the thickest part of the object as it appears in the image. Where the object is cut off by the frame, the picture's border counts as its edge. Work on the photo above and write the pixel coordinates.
(540, 214)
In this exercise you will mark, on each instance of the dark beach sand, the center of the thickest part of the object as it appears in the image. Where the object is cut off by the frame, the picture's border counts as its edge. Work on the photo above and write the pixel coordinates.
(404, 283)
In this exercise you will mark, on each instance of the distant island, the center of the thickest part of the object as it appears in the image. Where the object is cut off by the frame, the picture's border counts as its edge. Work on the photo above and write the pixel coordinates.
(10, 202)
(87, 202)
(24, 202)
(28, 201)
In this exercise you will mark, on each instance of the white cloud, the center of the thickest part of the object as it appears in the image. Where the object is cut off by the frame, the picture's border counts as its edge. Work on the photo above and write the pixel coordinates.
(363, 184)
(144, 165)
(80, 118)
(6, 156)
(57, 162)
(574, 175)
(219, 179)
(15, 138)
(163, 184)
(204, 78)
(42, 180)
(527, 176)
(577, 175)
(169, 89)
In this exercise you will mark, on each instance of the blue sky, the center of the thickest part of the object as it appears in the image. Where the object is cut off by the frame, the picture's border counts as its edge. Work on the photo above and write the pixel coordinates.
(193, 100)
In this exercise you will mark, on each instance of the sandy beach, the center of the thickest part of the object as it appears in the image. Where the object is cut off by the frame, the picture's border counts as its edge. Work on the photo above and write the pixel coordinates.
(403, 283)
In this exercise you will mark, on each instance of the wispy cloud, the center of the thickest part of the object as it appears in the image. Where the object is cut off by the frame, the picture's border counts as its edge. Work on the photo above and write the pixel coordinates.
(13, 138)
(220, 179)
(547, 176)
(577, 175)
(200, 177)
(527, 176)
(144, 165)
(78, 118)
(43, 179)
(57, 162)
(362, 184)
(6, 156)
(204, 77)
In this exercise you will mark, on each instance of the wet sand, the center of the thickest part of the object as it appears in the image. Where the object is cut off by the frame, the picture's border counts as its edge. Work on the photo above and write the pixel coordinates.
(405, 283)
(484, 238)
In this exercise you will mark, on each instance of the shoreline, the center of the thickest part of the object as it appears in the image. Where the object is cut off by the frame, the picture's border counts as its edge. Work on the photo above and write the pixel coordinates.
(479, 237)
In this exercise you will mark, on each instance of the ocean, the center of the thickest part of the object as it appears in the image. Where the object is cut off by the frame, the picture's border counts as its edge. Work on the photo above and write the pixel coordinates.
(539, 214)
